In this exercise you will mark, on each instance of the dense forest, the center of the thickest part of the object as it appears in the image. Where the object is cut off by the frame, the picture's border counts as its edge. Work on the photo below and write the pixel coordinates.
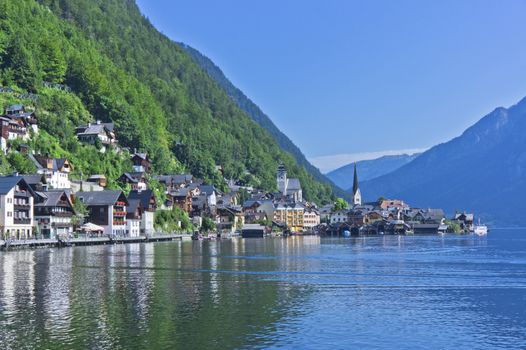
(121, 69)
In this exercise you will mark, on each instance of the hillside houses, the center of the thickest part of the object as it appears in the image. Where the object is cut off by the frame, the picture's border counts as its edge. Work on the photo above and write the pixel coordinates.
(16, 123)
(92, 133)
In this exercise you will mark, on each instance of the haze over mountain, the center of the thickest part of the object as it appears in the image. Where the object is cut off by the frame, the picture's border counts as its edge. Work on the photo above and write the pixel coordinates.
(369, 169)
(482, 171)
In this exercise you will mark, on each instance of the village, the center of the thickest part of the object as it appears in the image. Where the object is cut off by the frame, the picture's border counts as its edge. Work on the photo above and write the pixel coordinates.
(49, 204)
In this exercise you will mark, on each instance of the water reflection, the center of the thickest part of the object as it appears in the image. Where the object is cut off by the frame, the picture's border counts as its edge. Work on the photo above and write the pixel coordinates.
(417, 292)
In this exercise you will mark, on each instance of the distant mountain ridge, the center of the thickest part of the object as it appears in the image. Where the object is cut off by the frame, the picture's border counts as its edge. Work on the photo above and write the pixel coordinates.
(483, 171)
(249, 107)
(369, 169)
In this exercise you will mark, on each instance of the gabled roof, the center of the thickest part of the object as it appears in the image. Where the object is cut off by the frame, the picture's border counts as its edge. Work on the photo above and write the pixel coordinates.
(208, 189)
(100, 197)
(52, 198)
(14, 108)
(144, 197)
(176, 179)
(143, 156)
(8, 182)
(34, 179)
(41, 162)
(96, 128)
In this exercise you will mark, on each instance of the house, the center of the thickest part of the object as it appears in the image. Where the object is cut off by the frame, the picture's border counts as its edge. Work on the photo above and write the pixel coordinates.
(253, 231)
(106, 209)
(137, 180)
(257, 210)
(148, 207)
(291, 214)
(141, 162)
(311, 218)
(56, 170)
(211, 194)
(98, 179)
(339, 216)
(465, 220)
(53, 211)
(325, 212)
(103, 132)
(387, 204)
(134, 213)
(229, 218)
(199, 205)
(16, 208)
(182, 199)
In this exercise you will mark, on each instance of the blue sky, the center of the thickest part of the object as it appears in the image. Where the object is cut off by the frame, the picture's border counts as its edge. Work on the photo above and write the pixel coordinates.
(345, 79)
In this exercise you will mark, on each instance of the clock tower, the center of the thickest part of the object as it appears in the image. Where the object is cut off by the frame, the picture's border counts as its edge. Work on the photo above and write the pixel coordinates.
(281, 179)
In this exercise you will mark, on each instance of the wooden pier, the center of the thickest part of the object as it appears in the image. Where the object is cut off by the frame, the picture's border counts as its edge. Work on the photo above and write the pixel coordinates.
(83, 241)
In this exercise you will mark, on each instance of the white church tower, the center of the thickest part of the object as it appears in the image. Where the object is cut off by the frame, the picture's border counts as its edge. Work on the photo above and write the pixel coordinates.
(356, 194)
(281, 178)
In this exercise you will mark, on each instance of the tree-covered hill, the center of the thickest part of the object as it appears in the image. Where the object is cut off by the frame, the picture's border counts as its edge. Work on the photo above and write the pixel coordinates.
(122, 69)
(253, 110)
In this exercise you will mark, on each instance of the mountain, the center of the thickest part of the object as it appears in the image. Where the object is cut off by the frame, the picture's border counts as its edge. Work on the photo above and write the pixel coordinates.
(369, 169)
(119, 68)
(482, 171)
(253, 110)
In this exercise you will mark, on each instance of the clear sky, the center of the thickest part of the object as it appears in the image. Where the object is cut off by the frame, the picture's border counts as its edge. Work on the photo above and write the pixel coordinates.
(345, 78)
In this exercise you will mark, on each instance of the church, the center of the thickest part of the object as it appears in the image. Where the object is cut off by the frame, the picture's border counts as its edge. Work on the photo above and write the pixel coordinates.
(356, 194)
(290, 189)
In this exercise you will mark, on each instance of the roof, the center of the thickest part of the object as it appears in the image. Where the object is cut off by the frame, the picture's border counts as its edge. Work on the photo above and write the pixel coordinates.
(293, 184)
(208, 189)
(99, 197)
(8, 182)
(97, 177)
(96, 129)
(41, 162)
(133, 204)
(143, 196)
(143, 156)
(52, 198)
(14, 108)
(34, 179)
(133, 177)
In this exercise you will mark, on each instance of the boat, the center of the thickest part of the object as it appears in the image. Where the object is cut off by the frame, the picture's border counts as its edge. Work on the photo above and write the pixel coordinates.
(480, 230)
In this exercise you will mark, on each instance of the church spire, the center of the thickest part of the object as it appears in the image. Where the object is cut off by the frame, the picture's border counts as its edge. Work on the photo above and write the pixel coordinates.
(356, 194)
(355, 186)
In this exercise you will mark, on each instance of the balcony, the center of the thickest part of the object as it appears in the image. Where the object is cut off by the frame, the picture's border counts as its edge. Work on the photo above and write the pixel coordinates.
(119, 213)
(21, 206)
(23, 221)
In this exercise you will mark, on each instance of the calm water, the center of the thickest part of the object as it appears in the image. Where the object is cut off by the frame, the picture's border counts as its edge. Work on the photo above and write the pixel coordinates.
(302, 293)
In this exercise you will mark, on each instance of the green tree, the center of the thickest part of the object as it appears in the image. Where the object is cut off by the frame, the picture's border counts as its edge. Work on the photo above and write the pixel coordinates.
(23, 66)
(207, 225)
(56, 65)
(340, 204)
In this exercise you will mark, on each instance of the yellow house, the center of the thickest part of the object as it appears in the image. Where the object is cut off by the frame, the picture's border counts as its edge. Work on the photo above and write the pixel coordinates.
(290, 214)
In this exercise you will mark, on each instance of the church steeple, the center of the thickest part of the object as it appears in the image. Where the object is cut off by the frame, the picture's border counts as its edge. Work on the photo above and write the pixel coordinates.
(356, 194)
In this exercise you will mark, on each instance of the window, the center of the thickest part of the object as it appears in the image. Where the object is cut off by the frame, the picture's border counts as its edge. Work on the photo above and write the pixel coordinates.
(9, 213)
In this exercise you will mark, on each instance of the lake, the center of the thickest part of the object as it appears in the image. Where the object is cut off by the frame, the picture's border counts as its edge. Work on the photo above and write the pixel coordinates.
(420, 292)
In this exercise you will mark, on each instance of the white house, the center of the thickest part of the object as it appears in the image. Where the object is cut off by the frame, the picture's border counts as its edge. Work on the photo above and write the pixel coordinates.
(16, 208)
(53, 211)
(56, 170)
(339, 216)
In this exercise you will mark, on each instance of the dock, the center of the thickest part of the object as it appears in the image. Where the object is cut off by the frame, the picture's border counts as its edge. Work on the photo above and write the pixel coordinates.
(84, 241)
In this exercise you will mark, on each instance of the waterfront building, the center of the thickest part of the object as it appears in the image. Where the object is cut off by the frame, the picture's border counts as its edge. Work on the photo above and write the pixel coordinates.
(292, 215)
(106, 209)
(53, 211)
(16, 208)
(136, 180)
(148, 207)
(339, 216)
(311, 218)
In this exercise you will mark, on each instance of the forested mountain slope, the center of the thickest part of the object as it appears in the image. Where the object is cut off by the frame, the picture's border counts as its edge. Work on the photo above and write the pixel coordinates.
(253, 110)
(121, 69)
